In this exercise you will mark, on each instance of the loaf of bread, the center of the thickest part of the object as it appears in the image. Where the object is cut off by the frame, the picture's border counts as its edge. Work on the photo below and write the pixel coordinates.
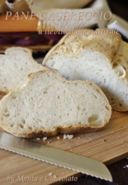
(47, 104)
(15, 65)
(100, 56)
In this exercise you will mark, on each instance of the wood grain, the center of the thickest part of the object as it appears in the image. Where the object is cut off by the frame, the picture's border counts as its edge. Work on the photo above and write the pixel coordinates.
(108, 145)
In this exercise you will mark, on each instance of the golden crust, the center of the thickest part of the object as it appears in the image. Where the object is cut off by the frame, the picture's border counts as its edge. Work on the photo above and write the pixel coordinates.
(77, 129)
(74, 42)
(100, 33)
(60, 130)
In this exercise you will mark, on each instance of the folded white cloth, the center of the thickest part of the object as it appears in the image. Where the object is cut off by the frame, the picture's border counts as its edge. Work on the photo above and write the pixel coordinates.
(119, 25)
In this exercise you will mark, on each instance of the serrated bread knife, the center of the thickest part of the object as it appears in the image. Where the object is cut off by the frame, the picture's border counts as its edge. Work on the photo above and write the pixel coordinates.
(54, 156)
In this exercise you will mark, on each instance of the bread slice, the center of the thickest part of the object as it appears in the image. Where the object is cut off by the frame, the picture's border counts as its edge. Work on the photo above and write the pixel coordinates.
(100, 56)
(48, 104)
(15, 65)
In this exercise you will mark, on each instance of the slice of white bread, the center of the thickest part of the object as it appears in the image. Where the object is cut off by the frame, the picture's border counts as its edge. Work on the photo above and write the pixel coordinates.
(48, 104)
(15, 65)
(100, 56)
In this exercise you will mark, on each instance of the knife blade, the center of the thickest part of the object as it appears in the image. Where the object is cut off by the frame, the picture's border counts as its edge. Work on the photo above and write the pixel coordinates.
(54, 156)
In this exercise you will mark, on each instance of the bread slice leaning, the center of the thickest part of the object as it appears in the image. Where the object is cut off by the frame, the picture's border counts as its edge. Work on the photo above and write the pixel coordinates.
(15, 65)
(100, 56)
(48, 104)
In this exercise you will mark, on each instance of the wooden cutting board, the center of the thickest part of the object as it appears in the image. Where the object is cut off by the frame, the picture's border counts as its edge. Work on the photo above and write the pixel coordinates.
(108, 145)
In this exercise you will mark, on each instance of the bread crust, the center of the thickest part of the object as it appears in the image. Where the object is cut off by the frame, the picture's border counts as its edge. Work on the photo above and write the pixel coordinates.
(36, 48)
(86, 38)
(60, 130)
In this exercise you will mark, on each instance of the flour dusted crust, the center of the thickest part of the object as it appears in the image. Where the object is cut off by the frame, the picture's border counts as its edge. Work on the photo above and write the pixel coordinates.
(111, 64)
(73, 42)
(18, 125)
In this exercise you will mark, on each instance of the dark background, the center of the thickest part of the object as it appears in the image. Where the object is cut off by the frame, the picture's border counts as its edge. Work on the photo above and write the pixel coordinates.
(119, 7)
(118, 170)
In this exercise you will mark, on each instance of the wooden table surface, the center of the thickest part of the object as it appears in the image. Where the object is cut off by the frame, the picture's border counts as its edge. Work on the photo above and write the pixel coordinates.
(108, 145)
